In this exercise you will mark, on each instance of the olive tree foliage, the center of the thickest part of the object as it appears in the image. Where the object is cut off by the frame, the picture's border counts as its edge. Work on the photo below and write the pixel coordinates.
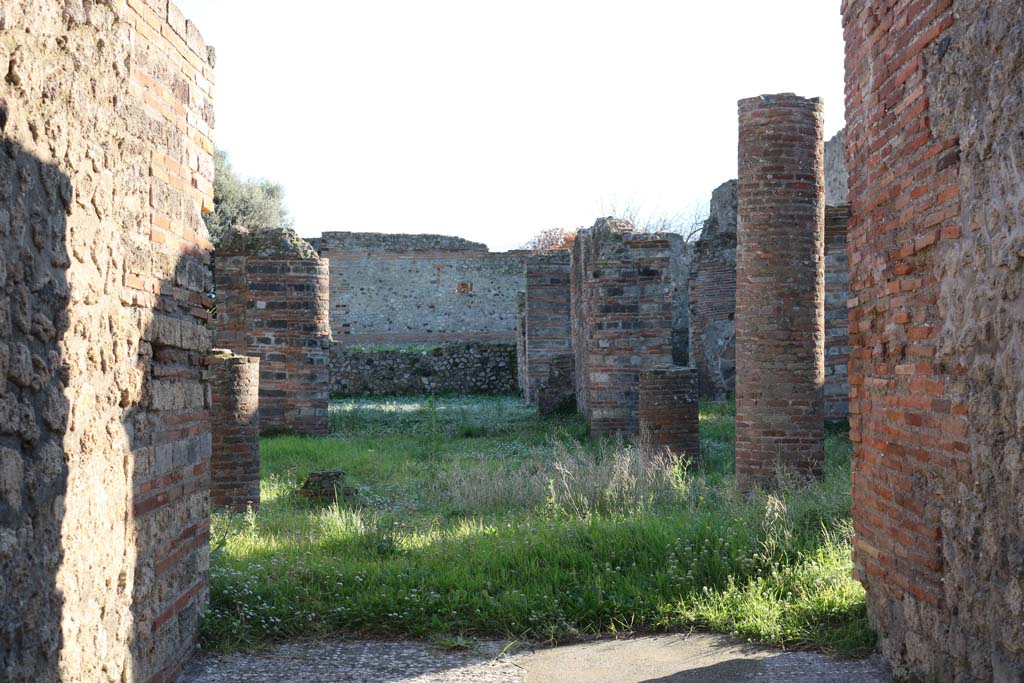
(551, 238)
(253, 203)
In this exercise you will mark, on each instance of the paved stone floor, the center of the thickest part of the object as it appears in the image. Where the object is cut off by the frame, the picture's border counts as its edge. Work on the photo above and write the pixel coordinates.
(652, 659)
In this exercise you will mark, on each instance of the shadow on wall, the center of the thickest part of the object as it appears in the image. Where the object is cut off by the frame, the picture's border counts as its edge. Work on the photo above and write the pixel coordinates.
(104, 444)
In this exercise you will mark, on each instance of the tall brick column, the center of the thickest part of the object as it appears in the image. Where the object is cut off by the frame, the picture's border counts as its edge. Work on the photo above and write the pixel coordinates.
(669, 410)
(272, 302)
(235, 424)
(780, 289)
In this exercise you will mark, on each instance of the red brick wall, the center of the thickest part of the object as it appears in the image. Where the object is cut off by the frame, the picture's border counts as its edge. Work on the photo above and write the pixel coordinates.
(780, 297)
(274, 305)
(837, 340)
(235, 422)
(621, 320)
(548, 327)
(935, 143)
(669, 411)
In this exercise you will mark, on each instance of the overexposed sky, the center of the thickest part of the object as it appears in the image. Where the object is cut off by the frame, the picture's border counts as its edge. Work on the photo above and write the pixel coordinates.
(494, 120)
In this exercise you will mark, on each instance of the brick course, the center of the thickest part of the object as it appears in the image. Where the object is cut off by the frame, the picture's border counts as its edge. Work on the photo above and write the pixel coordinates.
(235, 420)
(621, 320)
(669, 411)
(780, 289)
(272, 302)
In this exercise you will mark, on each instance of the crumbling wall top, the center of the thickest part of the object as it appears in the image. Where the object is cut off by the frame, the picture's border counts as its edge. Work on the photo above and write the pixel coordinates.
(266, 243)
(376, 241)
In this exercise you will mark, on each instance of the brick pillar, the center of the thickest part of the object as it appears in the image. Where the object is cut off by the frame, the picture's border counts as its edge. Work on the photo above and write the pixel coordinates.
(272, 302)
(780, 283)
(669, 414)
(837, 339)
(235, 423)
(548, 327)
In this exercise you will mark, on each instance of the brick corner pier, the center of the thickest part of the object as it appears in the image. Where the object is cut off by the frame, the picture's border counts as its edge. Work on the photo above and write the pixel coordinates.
(235, 424)
(669, 410)
(780, 290)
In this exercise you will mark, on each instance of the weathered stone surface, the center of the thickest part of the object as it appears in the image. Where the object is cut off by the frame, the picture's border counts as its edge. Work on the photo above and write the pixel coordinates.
(467, 368)
(272, 299)
(712, 298)
(780, 290)
(621, 320)
(936, 139)
(837, 177)
(235, 423)
(104, 300)
(439, 289)
(521, 376)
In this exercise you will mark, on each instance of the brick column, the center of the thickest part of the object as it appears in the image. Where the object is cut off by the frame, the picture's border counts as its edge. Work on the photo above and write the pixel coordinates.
(669, 414)
(780, 282)
(235, 423)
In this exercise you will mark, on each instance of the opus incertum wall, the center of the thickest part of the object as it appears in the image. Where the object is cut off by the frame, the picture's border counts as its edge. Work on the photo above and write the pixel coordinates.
(621, 291)
(105, 166)
(780, 290)
(935, 145)
(272, 296)
(235, 419)
(437, 288)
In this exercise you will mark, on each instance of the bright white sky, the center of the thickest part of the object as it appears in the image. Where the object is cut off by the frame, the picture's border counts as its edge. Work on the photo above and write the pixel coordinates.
(493, 120)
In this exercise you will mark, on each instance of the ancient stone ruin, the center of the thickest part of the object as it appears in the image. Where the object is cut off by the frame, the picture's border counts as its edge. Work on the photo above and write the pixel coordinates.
(935, 142)
(272, 297)
(235, 422)
(105, 164)
(712, 298)
(780, 289)
(621, 320)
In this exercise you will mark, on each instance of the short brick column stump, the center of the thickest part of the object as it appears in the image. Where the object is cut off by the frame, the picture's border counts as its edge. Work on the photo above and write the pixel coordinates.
(780, 290)
(669, 411)
(235, 425)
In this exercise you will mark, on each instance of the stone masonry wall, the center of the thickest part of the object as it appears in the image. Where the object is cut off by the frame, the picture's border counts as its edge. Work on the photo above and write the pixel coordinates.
(621, 320)
(669, 411)
(837, 339)
(935, 143)
(548, 321)
(272, 296)
(105, 166)
(235, 420)
(837, 176)
(439, 289)
(466, 368)
(712, 297)
(780, 289)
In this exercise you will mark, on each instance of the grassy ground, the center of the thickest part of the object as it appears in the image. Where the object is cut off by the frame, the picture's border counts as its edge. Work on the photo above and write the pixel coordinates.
(479, 519)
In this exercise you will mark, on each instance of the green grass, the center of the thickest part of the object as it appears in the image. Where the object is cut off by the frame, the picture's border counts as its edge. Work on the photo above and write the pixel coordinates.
(479, 519)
